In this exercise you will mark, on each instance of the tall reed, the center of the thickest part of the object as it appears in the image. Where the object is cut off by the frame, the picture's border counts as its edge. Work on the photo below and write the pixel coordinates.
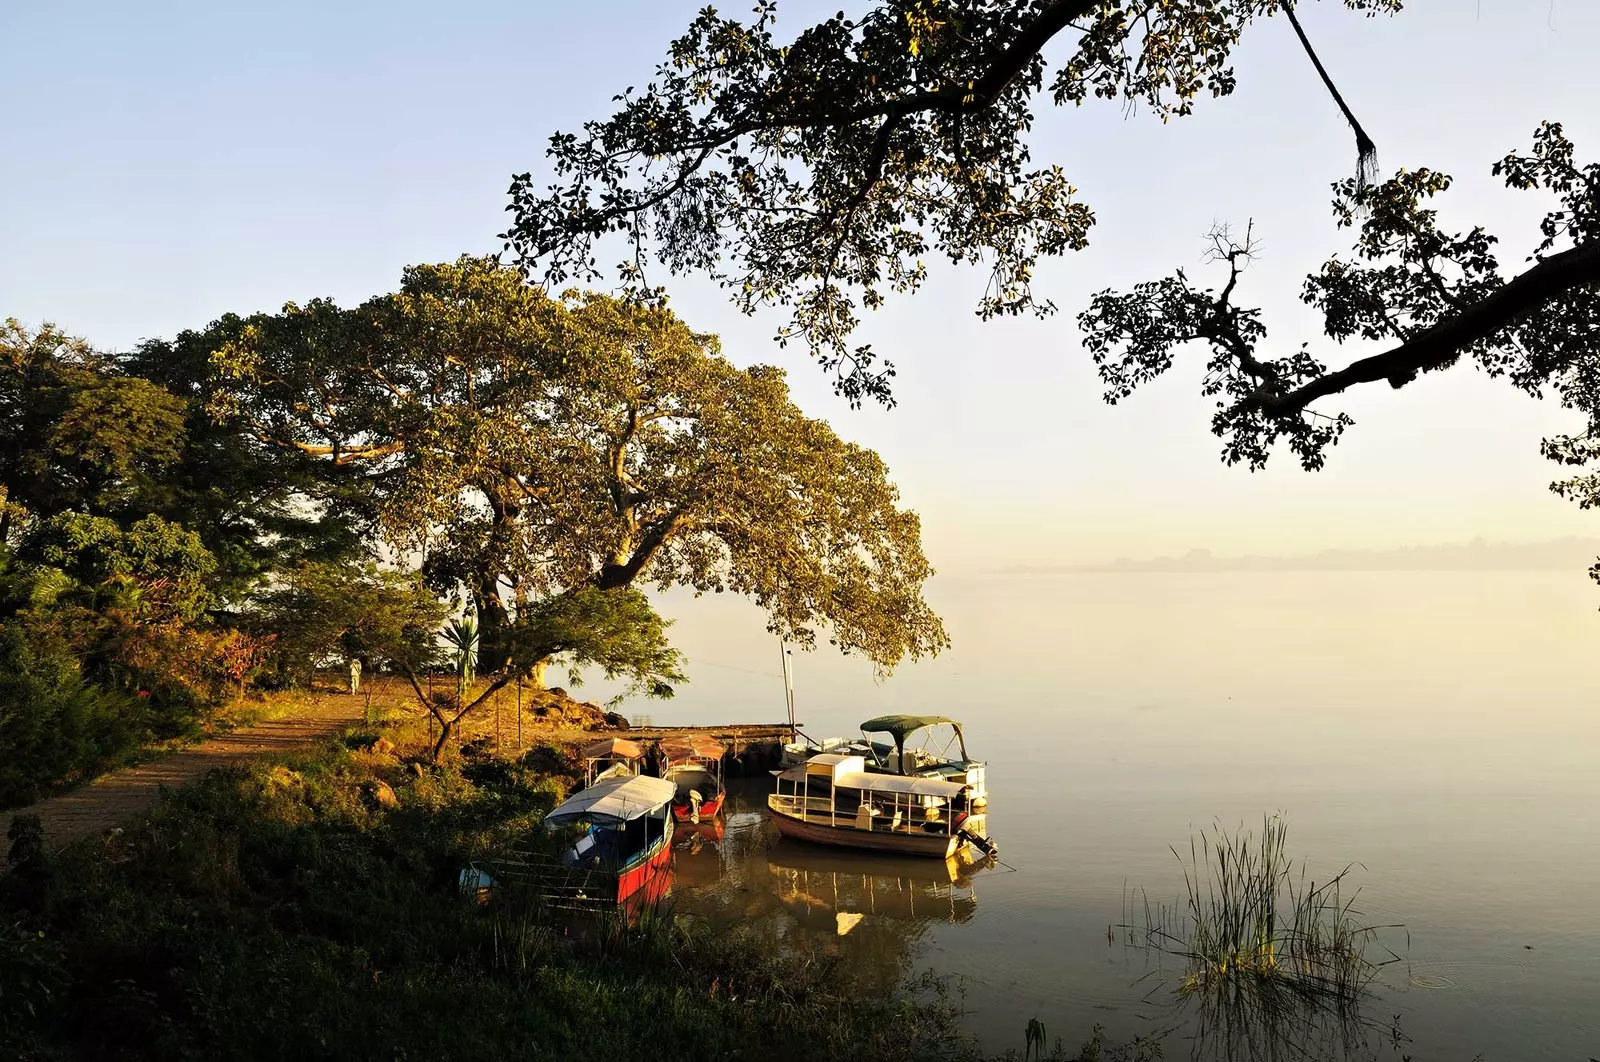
(1250, 914)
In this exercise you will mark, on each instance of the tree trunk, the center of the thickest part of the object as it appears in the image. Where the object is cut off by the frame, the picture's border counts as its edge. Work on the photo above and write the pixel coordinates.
(445, 730)
(493, 620)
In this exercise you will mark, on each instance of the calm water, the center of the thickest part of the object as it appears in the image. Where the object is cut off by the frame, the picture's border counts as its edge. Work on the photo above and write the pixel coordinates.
(1442, 729)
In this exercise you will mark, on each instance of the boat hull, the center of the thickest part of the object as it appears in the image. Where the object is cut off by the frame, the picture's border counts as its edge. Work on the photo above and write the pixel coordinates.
(647, 879)
(927, 846)
(709, 809)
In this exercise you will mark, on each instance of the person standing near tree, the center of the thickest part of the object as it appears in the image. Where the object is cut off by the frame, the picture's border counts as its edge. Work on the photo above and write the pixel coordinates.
(355, 675)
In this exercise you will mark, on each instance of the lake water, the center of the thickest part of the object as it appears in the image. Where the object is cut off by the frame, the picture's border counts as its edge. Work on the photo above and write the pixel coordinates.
(1442, 729)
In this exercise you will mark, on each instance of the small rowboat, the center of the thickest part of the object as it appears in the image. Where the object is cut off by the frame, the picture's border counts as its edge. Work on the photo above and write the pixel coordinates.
(833, 799)
(693, 764)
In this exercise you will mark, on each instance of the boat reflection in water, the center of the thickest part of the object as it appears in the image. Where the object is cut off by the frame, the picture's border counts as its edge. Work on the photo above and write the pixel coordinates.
(873, 910)
(829, 889)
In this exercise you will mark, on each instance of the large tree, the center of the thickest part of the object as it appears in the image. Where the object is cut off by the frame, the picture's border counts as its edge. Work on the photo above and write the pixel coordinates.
(260, 509)
(818, 173)
(77, 435)
(524, 445)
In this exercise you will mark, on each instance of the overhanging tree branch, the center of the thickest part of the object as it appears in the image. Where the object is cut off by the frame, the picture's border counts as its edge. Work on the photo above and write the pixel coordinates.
(1438, 346)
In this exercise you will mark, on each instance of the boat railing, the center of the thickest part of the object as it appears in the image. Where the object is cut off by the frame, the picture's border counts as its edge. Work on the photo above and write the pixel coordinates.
(890, 815)
(555, 883)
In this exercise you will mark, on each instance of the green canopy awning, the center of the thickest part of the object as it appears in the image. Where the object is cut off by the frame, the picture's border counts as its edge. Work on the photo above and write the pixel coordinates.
(901, 725)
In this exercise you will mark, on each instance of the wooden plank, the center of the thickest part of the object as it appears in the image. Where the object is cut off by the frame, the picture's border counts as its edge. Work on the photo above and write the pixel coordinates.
(729, 730)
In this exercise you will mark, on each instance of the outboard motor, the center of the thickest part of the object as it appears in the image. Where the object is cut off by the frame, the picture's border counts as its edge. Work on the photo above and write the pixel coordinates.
(982, 844)
(695, 800)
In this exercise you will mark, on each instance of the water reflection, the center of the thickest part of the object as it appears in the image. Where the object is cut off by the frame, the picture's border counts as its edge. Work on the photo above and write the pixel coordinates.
(1263, 1020)
(870, 911)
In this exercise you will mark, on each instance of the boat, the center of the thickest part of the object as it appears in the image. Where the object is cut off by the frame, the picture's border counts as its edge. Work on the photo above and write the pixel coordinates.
(622, 856)
(833, 799)
(932, 759)
(629, 835)
(897, 757)
(693, 764)
(611, 758)
(799, 751)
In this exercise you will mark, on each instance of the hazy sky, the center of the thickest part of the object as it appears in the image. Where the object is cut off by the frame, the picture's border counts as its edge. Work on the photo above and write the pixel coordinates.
(169, 162)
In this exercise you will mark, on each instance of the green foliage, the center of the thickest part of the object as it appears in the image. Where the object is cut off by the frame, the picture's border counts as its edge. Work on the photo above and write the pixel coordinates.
(527, 446)
(162, 566)
(276, 912)
(258, 508)
(1248, 916)
(461, 635)
(320, 612)
(819, 173)
(74, 434)
(614, 630)
(56, 725)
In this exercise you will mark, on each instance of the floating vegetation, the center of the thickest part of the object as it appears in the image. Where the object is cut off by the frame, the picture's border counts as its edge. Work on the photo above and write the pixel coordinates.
(1273, 964)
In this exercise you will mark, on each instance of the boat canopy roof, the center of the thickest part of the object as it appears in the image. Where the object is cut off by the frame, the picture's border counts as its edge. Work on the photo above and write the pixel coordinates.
(849, 772)
(613, 802)
(620, 748)
(898, 783)
(827, 763)
(901, 725)
(690, 746)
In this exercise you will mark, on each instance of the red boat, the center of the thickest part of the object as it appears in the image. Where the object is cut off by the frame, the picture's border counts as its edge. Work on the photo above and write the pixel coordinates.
(626, 854)
(693, 764)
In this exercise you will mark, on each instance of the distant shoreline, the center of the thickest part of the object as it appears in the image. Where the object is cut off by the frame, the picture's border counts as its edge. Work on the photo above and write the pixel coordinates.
(1564, 554)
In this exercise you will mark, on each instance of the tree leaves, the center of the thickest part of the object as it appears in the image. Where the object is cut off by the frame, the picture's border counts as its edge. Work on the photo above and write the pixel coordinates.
(1436, 295)
(821, 174)
(525, 446)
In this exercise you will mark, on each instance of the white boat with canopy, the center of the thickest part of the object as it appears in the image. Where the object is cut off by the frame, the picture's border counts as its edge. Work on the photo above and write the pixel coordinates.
(922, 746)
(833, 799)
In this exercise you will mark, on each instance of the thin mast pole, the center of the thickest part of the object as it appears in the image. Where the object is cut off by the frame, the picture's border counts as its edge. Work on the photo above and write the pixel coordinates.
(788, 686)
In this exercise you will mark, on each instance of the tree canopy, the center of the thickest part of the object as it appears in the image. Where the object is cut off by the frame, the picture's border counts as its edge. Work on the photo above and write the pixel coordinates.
(74, 434)
(525, 445)
(817, 174)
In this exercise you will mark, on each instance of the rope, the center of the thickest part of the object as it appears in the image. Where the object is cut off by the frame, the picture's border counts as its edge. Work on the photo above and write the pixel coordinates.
(730, 667)
(1366, 150)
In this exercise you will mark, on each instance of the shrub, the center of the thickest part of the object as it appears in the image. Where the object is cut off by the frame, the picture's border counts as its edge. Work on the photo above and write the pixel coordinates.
(56, 726)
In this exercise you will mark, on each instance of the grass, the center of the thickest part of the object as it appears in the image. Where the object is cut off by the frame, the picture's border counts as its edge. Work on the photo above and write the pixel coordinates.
(1273, 963)
(1251, 915)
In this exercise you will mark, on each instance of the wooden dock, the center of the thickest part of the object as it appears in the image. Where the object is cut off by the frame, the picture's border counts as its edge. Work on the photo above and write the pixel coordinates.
(724, 732)
(752, 747)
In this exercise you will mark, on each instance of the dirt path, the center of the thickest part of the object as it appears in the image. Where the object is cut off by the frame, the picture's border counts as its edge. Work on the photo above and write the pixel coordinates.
(117, 797)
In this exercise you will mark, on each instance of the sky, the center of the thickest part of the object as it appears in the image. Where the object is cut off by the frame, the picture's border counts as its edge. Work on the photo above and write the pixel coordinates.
(169, 162)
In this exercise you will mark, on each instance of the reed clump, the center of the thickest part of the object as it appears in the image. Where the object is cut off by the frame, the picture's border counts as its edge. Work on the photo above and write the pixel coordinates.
(1253, 917)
